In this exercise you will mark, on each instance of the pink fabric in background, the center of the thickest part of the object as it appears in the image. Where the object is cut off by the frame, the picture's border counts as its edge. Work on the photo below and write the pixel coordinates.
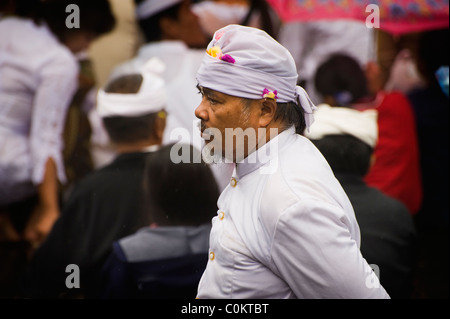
(396, 16)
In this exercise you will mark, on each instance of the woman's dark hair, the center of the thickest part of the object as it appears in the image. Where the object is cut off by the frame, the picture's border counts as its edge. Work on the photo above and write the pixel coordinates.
(183, 194)
(7, 6)
(150, 26)
(342, 78)
(96, 16)
(433, 52)
(126, 130)
(346, 154)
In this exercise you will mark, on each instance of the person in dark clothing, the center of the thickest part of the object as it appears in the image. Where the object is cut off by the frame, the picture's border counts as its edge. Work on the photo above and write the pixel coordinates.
(431, 110)
(166, 259)
(396, 168)
(388, 236)
(107, 204)
(38, 72)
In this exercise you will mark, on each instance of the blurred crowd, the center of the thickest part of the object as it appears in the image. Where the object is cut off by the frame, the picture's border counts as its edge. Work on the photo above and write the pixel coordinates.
(85, 183)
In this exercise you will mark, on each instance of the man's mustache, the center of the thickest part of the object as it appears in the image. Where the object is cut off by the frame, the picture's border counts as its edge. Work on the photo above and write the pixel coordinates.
(202, 126)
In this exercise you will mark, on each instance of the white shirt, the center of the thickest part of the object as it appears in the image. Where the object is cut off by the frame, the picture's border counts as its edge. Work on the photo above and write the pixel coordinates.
(286, 230)
(38, 77)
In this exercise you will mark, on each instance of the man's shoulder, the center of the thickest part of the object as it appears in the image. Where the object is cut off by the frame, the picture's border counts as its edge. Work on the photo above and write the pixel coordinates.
(302, 166)
(303, 180)
(86, 186)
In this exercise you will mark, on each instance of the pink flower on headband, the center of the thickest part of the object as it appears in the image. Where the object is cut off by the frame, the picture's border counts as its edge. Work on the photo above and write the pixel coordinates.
(219, 35)
(216, 52)
(267, 94)
(228, 58)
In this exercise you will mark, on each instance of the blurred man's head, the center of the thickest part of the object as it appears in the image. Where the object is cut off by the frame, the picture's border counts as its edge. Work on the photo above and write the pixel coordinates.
(170, 20)
(132, 108)
(184, 194)
(346, 154)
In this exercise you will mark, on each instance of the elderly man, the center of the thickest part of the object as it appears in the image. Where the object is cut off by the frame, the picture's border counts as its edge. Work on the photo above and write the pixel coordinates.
(285, 228)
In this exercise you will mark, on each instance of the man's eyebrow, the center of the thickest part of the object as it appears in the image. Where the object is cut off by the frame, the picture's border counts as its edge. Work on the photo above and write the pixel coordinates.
(208, 92)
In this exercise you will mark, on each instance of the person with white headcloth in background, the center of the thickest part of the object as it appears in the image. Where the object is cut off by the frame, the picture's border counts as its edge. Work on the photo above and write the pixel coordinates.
(106, 204)
(347, 137)
(285, 227)
(172, 32)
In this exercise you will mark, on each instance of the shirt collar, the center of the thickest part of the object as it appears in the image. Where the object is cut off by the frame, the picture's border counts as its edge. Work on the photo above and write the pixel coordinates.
(264, 154)
(151, 148)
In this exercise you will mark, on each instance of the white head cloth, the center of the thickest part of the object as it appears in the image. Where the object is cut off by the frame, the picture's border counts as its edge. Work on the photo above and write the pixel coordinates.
(342, 120)
(151, 98)
(250, 62)
(148, 8)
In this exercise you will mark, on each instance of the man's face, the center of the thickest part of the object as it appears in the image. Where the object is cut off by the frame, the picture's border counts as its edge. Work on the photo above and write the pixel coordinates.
(188, 28)
(236, 121)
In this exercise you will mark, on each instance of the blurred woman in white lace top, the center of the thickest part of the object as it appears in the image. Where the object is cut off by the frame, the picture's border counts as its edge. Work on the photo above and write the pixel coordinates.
(38, 78)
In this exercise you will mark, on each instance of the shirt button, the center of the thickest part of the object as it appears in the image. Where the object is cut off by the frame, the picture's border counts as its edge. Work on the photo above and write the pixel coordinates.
(212, 256)
(221, 215)
(233, 182)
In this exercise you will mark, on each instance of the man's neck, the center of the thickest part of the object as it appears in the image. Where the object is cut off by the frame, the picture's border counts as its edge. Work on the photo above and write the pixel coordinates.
(262, 138)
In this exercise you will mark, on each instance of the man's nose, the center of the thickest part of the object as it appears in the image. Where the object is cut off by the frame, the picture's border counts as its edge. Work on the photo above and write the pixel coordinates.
(201, 113)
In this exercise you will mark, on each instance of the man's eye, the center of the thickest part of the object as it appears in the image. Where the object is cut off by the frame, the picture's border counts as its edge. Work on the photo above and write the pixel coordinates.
(212, 101)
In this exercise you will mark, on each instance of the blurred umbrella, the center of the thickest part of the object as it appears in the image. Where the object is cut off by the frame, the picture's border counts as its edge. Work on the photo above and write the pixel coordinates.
(396, 16)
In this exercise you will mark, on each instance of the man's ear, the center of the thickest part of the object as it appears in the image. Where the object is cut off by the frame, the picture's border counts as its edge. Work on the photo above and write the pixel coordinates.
(160, 126)
(169, 28)
(268, 110)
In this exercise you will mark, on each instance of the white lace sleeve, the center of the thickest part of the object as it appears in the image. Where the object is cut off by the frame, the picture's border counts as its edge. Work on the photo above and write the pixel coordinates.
(57, 84)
